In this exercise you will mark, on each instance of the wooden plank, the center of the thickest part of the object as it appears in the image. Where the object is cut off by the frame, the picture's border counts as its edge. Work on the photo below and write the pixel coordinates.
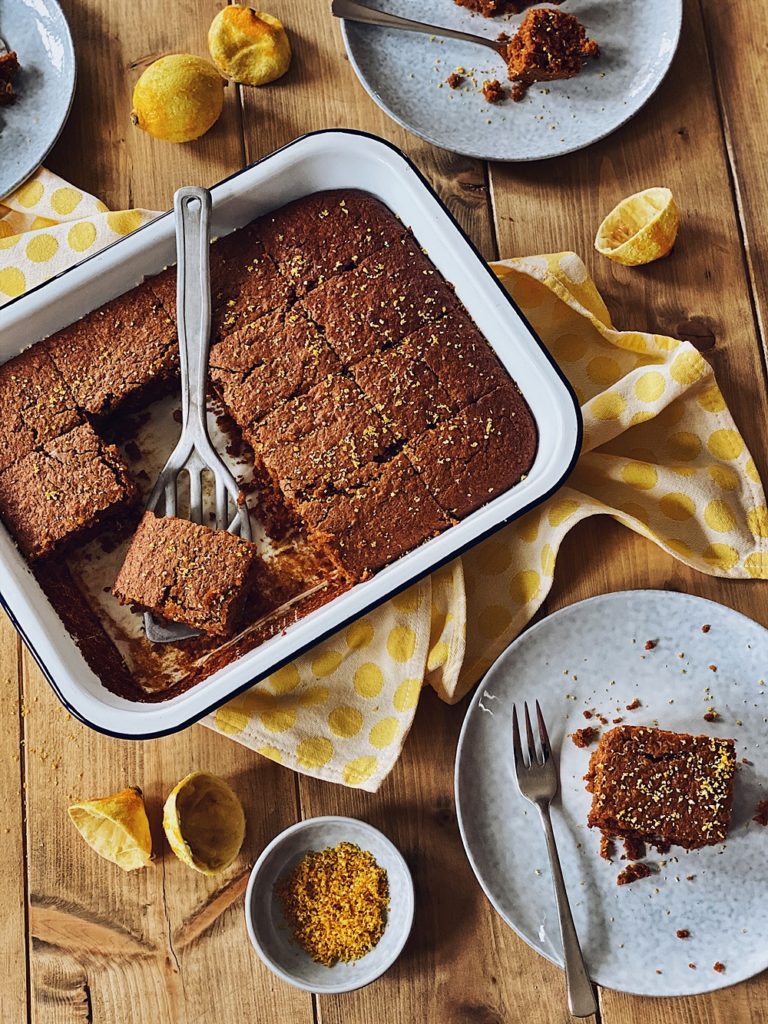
(164, 943)
(736, 33)
(13, 936)
(100, 149)
(699, 292)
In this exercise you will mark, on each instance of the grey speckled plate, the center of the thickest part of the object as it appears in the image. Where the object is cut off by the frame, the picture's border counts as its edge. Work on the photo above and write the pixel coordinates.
(405, 74)
(38, 32)
(592, 655)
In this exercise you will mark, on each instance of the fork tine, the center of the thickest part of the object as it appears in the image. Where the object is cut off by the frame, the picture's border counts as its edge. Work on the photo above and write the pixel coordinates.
(221, 504)
(195, 496)
(546, 749)
(529, 737)
(170, 498)
(516, 745)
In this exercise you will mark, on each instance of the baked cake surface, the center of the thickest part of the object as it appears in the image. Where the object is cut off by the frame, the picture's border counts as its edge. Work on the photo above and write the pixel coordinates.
(384, 299)
(36, 405)
(188, 573)
(661, 787)
(118, 356)
(55, 495)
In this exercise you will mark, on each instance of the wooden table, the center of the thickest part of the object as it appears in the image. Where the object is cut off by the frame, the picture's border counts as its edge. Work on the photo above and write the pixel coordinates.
(79, 940)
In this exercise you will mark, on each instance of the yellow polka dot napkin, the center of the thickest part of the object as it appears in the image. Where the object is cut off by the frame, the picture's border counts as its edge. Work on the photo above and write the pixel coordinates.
(47, 225)
(661, 454)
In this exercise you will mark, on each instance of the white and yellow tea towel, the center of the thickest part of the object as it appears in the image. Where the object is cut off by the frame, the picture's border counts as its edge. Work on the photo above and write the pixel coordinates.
(661, 454)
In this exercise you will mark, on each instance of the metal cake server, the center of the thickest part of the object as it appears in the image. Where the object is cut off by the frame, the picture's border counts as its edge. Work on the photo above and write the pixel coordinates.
(353, 11)
(194, 452)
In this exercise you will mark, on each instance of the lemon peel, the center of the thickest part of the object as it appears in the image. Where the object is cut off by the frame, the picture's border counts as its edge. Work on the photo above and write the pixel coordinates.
(178, 98)
(640, 229)
(248, 46)
(116, 827)
(204, 822)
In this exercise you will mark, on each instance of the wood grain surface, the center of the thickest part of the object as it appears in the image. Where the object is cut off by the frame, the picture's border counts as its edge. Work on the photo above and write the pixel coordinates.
(81, 941)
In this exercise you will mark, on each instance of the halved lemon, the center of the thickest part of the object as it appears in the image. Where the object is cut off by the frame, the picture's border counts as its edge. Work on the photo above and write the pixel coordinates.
(204, 822)
(116, 827)
(641, 229)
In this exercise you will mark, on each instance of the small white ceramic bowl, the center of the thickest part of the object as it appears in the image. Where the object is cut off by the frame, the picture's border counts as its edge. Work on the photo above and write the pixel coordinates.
(271, 935)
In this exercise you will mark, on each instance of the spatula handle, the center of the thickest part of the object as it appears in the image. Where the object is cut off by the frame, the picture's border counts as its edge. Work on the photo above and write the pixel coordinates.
(192, 209)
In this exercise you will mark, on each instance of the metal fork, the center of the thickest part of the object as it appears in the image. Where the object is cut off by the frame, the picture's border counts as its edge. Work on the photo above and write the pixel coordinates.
(353, 11)
(194, 451)
(537, 782)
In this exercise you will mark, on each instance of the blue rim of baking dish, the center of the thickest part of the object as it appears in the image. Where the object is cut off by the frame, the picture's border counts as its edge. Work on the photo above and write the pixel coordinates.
(193, 719)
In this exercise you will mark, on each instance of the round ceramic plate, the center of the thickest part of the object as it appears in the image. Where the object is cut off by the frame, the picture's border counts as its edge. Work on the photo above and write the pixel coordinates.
(592, 656)
(405, 74)
(45, 86)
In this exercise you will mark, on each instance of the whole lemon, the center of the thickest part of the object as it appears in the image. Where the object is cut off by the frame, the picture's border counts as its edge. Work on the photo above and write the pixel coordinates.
(247, 46)
(178, 98)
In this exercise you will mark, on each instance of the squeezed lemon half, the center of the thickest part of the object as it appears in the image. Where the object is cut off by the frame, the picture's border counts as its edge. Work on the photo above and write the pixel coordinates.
(642, 228)
(204, 822)
(116, 827)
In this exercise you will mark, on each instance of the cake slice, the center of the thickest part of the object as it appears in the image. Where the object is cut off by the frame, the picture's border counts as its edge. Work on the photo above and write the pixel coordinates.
(36, 405)
(60, 494)
(120, 356)
(663, 788)
(548, 45)
(483, 450)
(188, 573)
(387, 513)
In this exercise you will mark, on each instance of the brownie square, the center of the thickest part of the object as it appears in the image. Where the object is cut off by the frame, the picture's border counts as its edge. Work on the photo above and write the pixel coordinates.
(483, 450)
(460, 357)
(387, 297)
(122, 354)
(188, 573)
(35, 404)
(320, 235)
(53, 497)
(389, 513)
(404, 390)
(322, 440)
(245, 283)
(260, 366)
(664, 788)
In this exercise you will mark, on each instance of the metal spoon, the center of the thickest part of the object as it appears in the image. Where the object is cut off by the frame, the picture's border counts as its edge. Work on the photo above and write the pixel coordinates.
(353, 11)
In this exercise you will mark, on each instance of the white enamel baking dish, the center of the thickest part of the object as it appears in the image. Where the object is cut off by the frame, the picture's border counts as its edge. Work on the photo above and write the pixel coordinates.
(322, 160)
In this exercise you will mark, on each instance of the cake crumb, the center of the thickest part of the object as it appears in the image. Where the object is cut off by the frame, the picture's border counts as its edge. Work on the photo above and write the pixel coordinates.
(455, 79)
(633, 872)
(585, 737)
(493, 91)
(634, 705)
(711, 715)
(761, 813)
(682, 933)
(650, 644)
(719, 967)
(706, 627)
(607, 847)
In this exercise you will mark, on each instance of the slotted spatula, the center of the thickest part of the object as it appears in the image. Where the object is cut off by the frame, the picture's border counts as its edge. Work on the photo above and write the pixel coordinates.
(194, 452)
